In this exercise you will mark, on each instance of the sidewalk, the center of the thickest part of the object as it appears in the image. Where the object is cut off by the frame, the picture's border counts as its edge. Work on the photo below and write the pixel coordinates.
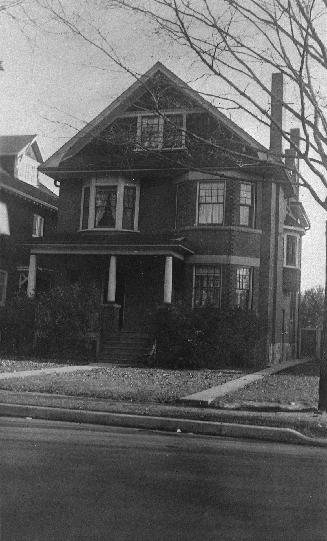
(303, 427)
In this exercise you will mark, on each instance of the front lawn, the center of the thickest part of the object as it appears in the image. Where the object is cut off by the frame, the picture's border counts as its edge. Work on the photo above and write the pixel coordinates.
(16, 364)
(124, 383)
(298, 384)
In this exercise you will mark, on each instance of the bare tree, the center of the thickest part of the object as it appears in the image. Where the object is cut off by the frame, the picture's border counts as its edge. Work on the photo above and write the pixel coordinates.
(239, 43)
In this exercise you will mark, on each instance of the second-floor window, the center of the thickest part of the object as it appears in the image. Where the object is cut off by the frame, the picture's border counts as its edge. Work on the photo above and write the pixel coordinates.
(160, 132)
(38, 226)
(291, 251)
(247, 204)
(3, 287)
(110, 204)
(211, 199)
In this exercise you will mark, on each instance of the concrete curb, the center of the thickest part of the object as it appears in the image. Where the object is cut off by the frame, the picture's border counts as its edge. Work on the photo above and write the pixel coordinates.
(206, 397)
(52, 370)
(168, 424)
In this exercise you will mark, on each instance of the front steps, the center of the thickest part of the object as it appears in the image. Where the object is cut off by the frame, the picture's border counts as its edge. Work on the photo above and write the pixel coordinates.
(125, 346)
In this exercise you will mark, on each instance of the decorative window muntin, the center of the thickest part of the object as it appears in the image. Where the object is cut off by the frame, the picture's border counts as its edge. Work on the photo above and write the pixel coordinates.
(244, 287)
(105, 207)
(166, 131)
(3, 287)
(38, 225)
(173, 133)
(110, 203)
(207, 285)
(211, 199)
(129, 207)
(247, 204)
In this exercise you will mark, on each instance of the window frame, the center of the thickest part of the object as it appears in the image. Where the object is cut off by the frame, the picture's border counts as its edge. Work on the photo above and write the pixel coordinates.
(208, 266)
(161, 122)
(198, 203)
(120, 182)
(297, 247)
(251, 207)
(250, 288)
(38, 222)
(3, 293)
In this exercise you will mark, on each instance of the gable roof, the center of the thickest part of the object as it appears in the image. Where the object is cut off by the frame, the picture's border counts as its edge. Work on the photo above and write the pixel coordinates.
(10, 145)
(110, 113)
(40, 195)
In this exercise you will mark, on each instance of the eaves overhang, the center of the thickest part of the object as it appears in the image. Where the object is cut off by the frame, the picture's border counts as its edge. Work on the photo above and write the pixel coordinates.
(27, 197)
(179, 251)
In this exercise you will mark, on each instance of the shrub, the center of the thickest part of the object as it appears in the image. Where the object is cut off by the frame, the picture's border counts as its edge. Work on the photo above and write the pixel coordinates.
(64, 317)
(204, 337)
(58, 321)
(17, 324)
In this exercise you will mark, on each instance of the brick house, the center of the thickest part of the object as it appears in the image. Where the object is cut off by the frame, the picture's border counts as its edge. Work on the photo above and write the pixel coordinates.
(164, 199)
(28, 209)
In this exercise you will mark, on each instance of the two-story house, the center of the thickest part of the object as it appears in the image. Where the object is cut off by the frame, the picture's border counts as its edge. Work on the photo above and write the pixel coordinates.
(28, 209)
(163, 199)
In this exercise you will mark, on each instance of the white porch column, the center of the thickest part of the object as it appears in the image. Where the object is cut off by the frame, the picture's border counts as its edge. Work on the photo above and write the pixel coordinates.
(31, 281)
(168, 283)
(112, 279)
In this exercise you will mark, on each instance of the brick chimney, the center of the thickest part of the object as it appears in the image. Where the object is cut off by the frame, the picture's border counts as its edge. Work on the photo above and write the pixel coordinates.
(292, 159)
(276, 139)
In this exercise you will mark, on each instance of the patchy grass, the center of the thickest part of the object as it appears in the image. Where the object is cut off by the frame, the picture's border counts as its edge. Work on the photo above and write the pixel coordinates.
(133, 384)
(298, 384)
(16, 364)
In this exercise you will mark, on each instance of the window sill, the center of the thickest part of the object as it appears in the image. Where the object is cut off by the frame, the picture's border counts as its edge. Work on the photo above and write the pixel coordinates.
(156, 149)
(221, 227)
(111, 229)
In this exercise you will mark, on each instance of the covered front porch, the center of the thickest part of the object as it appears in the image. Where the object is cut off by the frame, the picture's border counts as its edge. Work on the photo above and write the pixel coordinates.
(133, 279)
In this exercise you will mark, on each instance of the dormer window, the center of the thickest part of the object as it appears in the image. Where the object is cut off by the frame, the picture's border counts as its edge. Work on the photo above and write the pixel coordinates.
(109, 203)
(161, 132)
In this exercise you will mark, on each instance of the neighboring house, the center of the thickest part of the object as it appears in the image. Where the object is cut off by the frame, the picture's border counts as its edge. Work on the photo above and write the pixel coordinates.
(28, 209)
(165, 200)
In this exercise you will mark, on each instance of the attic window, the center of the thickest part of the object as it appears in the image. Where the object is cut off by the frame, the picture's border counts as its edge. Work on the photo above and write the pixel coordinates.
(161, 132)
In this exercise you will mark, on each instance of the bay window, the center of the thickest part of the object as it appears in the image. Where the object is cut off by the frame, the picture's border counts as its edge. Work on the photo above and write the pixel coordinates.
(207, 285)
(211, 199)
(247, 204)
(109, 203)
(243, 290)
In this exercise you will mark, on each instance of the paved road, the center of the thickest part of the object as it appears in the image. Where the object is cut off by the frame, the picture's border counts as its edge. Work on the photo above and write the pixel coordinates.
(61, 481)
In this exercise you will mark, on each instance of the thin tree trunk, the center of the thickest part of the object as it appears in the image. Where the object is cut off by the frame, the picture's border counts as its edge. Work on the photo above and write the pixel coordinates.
(322, 405)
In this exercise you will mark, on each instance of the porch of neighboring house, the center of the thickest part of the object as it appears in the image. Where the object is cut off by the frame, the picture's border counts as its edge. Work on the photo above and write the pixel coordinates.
(132, 281)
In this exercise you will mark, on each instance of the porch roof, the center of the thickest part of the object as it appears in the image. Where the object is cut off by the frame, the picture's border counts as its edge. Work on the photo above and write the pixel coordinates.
(95, 243)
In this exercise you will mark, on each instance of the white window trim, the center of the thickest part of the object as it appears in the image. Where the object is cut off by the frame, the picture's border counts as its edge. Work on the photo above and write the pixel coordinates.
(204, 181)
(162, 117)
(297, 262)
(4, 291)
(120, 182)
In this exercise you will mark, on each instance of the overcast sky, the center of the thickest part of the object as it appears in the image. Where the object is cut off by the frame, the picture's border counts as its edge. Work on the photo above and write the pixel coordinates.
(52, 85)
